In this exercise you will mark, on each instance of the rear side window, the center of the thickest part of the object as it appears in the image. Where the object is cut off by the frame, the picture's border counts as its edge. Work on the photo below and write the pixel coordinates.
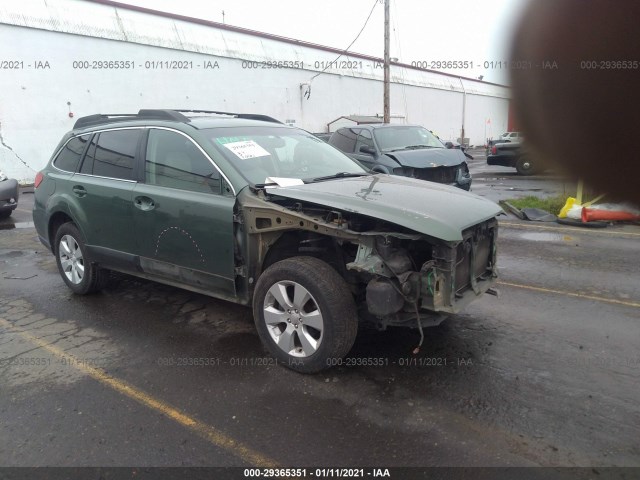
(69, 156)
(344, 139)
(112, 154)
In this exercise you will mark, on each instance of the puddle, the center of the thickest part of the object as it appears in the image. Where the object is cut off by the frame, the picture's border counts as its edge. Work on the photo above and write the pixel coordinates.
(10, 226)
(545, 237)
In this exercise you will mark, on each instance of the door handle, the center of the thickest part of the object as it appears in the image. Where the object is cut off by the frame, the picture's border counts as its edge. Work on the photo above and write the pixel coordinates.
(79, 191)
(144, 203)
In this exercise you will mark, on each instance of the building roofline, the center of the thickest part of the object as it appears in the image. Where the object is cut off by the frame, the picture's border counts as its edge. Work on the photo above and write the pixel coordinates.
(270, 36)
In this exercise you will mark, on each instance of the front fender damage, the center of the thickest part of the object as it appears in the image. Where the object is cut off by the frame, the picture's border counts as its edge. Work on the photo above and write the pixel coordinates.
(397, 275)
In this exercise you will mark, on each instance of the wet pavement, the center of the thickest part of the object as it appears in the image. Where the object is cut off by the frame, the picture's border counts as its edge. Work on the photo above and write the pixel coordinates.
(548, 374)
(502, 183)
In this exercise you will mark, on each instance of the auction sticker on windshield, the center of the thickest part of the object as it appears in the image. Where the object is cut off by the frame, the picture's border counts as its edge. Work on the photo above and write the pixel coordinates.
(246, 149)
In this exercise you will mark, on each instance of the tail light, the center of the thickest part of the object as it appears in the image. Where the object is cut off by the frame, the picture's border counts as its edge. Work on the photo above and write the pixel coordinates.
(38, 180)
(494, 150)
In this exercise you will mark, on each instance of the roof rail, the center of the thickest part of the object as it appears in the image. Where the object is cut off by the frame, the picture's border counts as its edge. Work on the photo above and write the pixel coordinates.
(101, 118)
(163, 115)
(246, 116)
(153, 114)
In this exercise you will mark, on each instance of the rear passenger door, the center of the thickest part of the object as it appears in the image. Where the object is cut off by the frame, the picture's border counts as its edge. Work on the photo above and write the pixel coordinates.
(184, 215)
(102, 190)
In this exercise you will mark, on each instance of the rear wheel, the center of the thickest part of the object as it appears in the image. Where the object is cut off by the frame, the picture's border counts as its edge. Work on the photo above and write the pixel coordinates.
(76, 270)
(305, 314)
(525, 166)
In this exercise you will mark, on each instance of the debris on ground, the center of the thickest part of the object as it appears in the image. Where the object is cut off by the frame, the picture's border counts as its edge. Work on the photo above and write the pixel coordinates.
(538, 215)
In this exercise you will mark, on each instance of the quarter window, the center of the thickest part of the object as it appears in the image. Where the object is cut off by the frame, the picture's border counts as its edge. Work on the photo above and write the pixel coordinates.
(69, 156)
(174, 161)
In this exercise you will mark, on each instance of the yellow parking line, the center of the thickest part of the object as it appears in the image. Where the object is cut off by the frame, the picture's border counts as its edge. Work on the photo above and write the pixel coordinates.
(571, 294)
(567, 229)
(203, 430)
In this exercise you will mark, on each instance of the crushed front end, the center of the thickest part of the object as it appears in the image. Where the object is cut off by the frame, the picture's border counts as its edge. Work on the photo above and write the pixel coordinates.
(423, 278)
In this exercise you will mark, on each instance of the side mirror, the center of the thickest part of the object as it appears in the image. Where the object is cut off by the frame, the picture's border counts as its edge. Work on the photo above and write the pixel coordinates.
(367, 149)
(448, 145)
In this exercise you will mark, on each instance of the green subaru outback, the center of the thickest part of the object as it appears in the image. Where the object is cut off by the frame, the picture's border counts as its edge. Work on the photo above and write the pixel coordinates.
(246, 209)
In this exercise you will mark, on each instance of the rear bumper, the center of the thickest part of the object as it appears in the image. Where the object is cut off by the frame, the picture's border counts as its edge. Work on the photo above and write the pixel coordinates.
(503, 160)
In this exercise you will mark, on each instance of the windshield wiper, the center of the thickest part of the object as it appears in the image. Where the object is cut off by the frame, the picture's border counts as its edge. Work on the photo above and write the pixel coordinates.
(340, 175)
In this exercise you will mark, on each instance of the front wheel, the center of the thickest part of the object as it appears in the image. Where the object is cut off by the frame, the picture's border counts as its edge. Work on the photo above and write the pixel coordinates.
(76, 270)
(305, 314)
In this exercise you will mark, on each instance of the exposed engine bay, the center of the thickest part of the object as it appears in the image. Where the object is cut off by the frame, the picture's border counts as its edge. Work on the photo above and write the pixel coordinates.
(398, 277)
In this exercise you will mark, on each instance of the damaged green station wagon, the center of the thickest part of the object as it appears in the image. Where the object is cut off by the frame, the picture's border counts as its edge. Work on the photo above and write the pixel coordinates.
(246, 209)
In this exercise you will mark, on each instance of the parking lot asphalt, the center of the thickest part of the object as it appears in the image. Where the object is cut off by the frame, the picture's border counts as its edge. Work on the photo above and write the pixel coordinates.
(142, 374)
(502, 183)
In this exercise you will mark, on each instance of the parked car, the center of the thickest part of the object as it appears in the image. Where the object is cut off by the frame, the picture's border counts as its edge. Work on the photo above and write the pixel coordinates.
(514, 155)
(246, 209)
(406, 150)
(507, 137)
(9, 193)
(323, 136)
(510, 137)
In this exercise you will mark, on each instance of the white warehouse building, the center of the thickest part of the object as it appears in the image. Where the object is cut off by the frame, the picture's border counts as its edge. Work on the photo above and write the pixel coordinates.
(63, 59)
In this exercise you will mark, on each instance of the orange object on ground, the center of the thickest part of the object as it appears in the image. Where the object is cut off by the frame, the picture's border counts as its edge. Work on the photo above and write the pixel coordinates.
(590, 214)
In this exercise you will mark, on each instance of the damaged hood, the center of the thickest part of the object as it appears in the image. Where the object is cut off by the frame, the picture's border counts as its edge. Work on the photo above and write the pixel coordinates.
(428, 157)
(430, 208)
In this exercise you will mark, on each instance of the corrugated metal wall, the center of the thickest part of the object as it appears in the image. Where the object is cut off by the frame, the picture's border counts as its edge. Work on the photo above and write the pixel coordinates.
(54, 48)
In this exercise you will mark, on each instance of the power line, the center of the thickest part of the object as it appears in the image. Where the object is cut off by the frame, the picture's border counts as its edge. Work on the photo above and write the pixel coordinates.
(346, 50)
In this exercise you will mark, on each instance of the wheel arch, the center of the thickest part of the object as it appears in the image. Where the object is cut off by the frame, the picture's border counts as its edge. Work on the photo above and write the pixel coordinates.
(56, 220)
(290, 244)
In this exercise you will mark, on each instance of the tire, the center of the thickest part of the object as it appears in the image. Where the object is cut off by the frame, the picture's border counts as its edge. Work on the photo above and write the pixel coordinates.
(525, 166)
(77, 271)
(307, 285)
(5, 214)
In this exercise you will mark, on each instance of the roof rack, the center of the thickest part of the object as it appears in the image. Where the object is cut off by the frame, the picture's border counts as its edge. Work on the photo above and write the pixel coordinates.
(246, 116)
(152, 114)
(123, 117)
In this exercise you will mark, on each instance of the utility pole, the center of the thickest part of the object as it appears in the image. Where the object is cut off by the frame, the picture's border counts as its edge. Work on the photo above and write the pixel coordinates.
(387, 61)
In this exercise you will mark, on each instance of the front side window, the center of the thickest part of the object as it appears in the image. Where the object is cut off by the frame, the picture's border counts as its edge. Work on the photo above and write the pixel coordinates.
(364, 138)
(258, 153)
(174, 161)
(112, 154)
(69, 156)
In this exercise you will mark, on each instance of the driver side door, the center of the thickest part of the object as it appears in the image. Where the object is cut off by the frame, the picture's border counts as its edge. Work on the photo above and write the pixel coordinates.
(183, 217)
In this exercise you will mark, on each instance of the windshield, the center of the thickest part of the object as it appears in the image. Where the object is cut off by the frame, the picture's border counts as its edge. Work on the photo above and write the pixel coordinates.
(263, 153)
(401, 137)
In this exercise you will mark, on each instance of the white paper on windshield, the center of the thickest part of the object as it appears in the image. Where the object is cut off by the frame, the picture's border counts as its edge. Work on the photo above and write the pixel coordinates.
(246, 149)
(283, 182)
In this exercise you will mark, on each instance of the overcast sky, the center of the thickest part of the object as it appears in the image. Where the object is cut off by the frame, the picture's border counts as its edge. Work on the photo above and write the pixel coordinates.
(422, 30)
